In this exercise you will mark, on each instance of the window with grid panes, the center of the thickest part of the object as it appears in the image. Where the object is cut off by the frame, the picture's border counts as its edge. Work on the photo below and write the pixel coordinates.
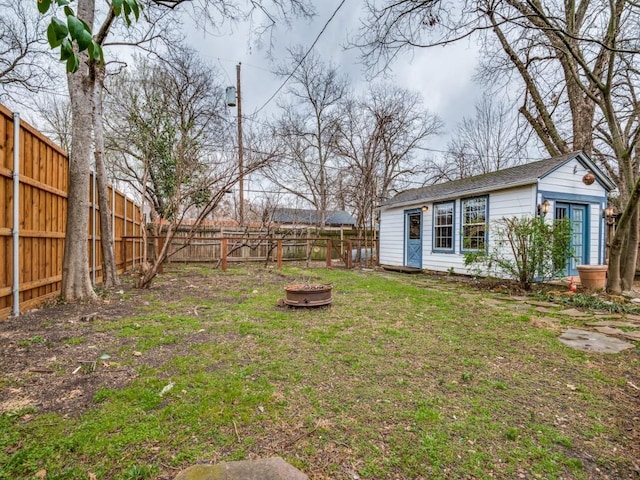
(474, 223)
(443, 226)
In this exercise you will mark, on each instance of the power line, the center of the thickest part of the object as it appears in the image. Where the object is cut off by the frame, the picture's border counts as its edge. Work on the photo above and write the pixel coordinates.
(224, 70)
(335, 12)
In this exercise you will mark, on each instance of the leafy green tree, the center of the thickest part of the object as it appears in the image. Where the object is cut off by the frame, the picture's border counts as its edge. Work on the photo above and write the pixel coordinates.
(525, 249)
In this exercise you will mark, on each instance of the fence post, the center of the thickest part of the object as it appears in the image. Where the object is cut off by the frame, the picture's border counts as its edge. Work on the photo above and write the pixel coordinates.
(223, 253)
(123, 246)
(124, 233)
(113, 224)
(349, 255)
(329, 247)
(15, 311)
(279, 254)
(162, 241)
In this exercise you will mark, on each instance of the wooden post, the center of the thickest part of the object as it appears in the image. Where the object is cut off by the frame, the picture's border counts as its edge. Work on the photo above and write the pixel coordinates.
(279, 254)
(123, 246)
(161, 264)
(124, 232)
(329, 247)
(349, 255)
(223, 253)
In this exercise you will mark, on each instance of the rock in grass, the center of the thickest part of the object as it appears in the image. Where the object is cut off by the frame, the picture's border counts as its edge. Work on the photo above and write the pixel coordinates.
(274, 468)
(593, 342)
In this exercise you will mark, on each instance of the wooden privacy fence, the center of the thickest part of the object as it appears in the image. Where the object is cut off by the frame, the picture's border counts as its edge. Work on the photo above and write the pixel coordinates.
(256, 248)
(32, 229)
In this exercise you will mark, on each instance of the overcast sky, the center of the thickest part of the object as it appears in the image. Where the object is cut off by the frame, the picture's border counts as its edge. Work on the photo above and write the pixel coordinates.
(443, 75)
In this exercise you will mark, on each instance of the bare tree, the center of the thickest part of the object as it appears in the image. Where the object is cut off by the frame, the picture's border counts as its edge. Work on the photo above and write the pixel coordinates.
(380, 135)
(482, 144)
(577, 67)
(56, 113)
(306, 130)
(168, 134)
(25, 57)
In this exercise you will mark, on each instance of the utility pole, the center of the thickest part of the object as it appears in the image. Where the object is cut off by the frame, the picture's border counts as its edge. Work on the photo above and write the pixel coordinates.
(240, 152)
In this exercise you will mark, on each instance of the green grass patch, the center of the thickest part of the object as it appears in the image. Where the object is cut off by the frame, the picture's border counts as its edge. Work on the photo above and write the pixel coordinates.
(402, 377)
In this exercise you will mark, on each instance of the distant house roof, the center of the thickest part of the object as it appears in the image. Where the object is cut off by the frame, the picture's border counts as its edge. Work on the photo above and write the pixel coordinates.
(299, 216)
(526, 174)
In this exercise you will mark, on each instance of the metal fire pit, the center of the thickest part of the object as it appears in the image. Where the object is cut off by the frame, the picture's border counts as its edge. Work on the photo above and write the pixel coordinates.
(308, 295)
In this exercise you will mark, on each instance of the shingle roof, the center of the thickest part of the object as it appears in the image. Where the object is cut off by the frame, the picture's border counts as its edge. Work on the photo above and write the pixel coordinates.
(520, 175)
(311, 217)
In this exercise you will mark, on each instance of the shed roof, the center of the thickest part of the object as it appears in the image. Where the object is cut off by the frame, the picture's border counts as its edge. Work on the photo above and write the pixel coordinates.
(526, 174)
(311, 217)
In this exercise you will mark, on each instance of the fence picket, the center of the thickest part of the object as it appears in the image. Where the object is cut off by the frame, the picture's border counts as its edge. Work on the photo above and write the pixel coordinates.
(43, 186)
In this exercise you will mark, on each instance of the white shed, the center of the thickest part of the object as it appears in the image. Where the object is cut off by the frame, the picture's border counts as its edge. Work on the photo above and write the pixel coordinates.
(432, 227)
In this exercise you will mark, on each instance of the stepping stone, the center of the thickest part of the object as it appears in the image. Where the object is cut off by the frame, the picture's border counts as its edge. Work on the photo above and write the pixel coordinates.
(537, 303)
(593, 341)
(631, 335)
(492, 302)
(610, 316)
(611, 323)
(545, 310)
(274, 468)
(519, 298)
(574, 313)
(609, 330)
(633, 318)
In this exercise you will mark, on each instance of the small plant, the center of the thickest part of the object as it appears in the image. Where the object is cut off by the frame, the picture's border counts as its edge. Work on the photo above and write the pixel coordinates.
(525, 249)
(31, 341)
(511, 434)
(591, 302)
(138, 472)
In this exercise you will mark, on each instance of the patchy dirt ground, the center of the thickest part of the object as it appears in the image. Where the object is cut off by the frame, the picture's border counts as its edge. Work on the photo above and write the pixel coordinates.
(40, 343)
(47, 352)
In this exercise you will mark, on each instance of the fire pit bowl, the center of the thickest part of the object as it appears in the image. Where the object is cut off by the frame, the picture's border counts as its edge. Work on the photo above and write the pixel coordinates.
(308, 295)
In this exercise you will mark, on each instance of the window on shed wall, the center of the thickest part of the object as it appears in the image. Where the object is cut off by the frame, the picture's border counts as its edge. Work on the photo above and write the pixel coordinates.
(443, 226)
(414, 226)
(474, 223)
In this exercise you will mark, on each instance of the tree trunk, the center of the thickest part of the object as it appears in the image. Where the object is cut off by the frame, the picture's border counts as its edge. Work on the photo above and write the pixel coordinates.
(109, 269)
(629, 255)
(623, 239)
(150, 272)
(76, 280)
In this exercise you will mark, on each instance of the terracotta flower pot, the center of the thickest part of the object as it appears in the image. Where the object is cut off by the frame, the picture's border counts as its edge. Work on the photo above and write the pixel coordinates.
(593, 277)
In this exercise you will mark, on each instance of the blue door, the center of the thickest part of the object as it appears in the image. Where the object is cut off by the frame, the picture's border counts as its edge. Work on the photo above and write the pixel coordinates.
(413, 232)
(579, 244)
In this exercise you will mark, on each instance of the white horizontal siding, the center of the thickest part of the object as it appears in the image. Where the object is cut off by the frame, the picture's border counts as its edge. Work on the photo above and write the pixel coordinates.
(392, 237)
(520, 201)
(564, 180)
(596, 236)
(514, 202)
